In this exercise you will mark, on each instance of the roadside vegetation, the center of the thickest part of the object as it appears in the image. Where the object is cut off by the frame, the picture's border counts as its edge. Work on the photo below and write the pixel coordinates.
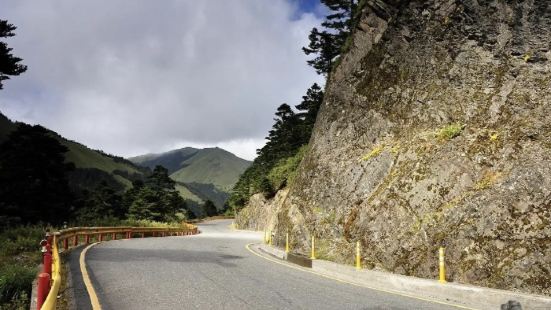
(19, 259)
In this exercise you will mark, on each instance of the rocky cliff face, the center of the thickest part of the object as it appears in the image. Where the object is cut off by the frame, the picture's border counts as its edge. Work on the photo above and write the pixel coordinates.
(435, 131)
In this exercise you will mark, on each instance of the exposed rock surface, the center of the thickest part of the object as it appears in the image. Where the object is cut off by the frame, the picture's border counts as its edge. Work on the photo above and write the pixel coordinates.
(386, 166)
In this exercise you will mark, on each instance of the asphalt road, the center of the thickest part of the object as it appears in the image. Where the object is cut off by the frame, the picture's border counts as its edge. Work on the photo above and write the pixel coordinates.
(214, 270)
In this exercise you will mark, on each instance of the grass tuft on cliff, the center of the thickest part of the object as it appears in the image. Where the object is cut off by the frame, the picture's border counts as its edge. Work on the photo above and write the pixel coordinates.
(450, 131)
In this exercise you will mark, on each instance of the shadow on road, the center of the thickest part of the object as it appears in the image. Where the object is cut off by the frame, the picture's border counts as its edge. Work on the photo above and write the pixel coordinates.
(172, 255)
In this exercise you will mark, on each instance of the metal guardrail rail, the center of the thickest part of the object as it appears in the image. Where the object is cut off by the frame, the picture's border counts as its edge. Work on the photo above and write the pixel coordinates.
(49, 280)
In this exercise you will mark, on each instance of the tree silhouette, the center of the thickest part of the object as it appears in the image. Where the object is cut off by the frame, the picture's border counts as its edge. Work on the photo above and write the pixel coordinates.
(9, 64)
(209, 208)
(33, 176)
(327, 43)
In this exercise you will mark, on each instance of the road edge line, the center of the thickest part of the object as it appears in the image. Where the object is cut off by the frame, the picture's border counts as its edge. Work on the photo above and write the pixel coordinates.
(86, 278)
(248, 247)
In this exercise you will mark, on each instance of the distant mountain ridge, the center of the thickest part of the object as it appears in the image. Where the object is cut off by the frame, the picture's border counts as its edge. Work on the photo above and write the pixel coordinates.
(200, 174)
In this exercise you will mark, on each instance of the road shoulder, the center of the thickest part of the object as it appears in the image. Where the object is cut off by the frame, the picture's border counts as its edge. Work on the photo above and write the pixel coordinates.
(452, 294)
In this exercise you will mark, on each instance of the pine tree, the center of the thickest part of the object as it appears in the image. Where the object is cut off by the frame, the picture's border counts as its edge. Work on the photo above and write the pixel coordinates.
(309, 108)
(159, 179)
(327, 43)
(284, 137)
(155, 199)
(9, 64)
(145, 205)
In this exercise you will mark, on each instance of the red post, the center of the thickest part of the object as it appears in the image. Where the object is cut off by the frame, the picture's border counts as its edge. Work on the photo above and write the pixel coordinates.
(47, 263)
(75, 240)
(43, 289)
(154, 234)
(46, 255)
(66, 244)
(143, 235)
(100, 237)
(87, 238)
(114, 236)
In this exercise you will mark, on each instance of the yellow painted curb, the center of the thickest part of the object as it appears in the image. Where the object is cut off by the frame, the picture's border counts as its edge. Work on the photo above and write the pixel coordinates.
(248, 247)
(86, 278)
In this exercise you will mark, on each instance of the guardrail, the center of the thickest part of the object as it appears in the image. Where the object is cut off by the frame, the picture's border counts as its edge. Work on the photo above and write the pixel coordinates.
(49, 280)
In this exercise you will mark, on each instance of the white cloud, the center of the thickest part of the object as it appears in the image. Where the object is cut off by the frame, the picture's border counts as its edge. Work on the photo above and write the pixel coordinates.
(142, 76)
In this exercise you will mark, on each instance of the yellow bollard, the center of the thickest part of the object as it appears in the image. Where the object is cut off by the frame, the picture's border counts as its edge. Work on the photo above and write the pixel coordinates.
(358, 259)
(287, 243)
(270, 238)
(313, 256)
(265, 236)
(442, 266)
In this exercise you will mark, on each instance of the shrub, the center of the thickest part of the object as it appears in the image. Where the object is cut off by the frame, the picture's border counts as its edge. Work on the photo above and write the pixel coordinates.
(286, 169)
(450, 131)
(15, 282)
(20, 239)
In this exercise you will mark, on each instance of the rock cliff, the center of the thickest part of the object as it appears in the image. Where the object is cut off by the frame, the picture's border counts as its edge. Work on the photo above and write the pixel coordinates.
(435, 131)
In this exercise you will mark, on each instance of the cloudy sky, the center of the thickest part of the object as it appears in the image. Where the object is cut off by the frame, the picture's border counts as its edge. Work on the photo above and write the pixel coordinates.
(140, 76)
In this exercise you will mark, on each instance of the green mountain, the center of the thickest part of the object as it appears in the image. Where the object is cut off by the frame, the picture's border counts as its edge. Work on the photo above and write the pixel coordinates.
(200, 174)
(92, 166)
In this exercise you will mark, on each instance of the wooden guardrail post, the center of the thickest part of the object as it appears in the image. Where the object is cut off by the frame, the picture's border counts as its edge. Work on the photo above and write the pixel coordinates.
(65, 244)
(75, 240)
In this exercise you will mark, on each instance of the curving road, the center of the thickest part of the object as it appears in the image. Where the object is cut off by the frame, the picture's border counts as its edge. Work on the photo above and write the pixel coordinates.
(213, 270)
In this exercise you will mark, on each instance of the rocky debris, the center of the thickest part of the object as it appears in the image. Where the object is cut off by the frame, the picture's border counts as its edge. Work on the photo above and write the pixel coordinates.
(435, 131)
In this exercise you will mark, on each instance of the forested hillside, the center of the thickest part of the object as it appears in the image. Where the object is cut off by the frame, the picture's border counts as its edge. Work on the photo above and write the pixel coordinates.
(92, 167)
(72, 182)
